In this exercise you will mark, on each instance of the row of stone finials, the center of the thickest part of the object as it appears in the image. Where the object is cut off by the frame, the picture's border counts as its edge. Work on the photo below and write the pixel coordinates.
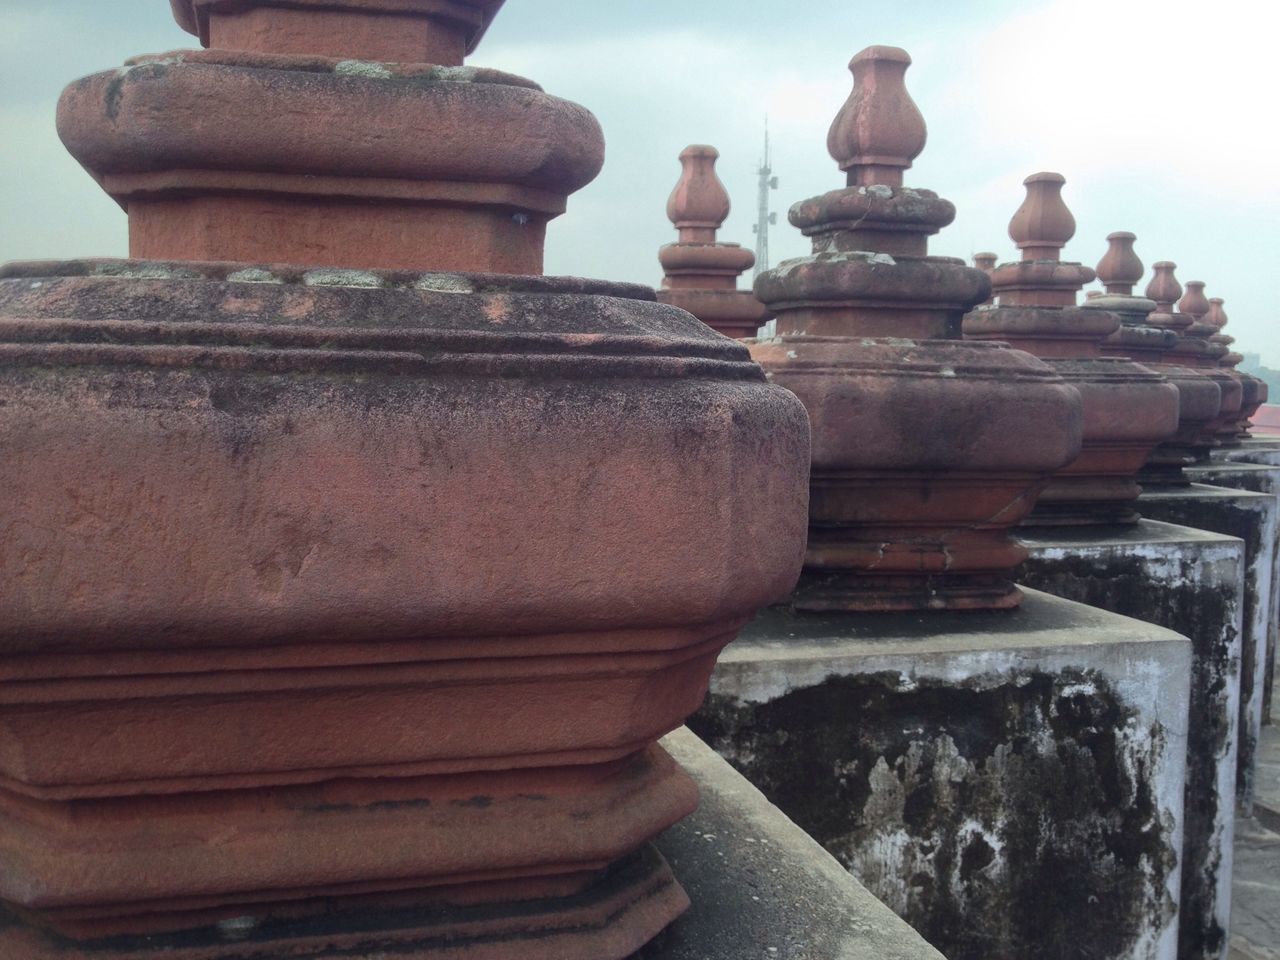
(697, 264)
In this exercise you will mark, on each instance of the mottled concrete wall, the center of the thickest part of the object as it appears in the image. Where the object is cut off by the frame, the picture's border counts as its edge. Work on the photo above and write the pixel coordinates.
(1009, 784)
(1192, 582)
(1257, 450)
(1260, 474)
(1251, 517)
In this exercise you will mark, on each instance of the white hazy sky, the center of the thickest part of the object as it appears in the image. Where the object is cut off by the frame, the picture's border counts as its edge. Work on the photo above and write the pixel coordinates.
(1160, 113)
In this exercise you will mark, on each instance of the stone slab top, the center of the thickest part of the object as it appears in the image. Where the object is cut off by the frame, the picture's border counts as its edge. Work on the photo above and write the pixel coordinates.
(1042, 622)
(1221, 467)
(1155, 533)
(1205, 491)
(762, 887)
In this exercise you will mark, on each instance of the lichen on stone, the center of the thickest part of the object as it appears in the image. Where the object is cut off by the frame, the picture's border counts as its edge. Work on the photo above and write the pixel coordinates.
(368, 69)
(253, 275)
(343, 278)
(444, 283)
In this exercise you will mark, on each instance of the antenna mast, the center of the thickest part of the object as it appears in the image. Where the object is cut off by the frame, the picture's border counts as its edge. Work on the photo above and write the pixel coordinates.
(765, 219)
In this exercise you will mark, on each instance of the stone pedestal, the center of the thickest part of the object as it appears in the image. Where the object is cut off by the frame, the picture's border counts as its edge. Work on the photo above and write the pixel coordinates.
(1252, 517)
(1190, 581)
(349, 581)
(1011, 783)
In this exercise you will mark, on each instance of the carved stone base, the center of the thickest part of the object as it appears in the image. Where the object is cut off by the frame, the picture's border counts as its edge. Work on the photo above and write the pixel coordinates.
(624, 908)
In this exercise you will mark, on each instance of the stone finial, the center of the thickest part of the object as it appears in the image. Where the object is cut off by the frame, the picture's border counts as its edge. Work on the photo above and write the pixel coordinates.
(879, 130)
(1216, 316)
(986, 262)
(376, 30)
(1164, 287)
(332, 133)
(700, 275)
(699, 204)
(1043, 224)
(908, 419)
(1194, 303)
(1120, 269)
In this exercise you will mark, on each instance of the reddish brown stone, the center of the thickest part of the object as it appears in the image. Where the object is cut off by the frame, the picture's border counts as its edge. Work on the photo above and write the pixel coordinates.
(1128, 408)
(701, 275)
(1253, 391)
(926, 449)
(410, 31)
(1194, 349)
(986, 262)
(1140, 339)
(342, 176)
(342, 608)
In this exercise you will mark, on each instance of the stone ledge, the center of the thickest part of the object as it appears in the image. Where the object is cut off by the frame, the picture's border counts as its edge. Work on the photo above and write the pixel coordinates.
(762, 887)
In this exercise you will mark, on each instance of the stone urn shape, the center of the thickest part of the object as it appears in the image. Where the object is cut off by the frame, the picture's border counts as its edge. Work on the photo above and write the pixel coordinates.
(700, 273)
(1196, 348)
(927, 449)
(1254, 392)
(1139, 338)
(1128, 409)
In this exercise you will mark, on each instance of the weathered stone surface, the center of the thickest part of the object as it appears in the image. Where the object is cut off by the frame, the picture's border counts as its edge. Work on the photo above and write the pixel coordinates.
(1191, 581)
(1128, 408)
(1252, 517)
(299, 514)
(1251, 450)
(1206, 395)
(927, 449)
(402, 30)
(1260, 474)
(329, 167)
(761, 886)
(329, 624)
(1267, 805)
(701, 273)
(1010, 783)
(1255, 921)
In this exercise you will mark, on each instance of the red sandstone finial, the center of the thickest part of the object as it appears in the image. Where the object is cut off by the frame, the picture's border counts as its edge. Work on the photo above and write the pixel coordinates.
(378, 30)
(879, 130)
(1216, 316)
(699, 204)
(325, 133)
(986, 262)
(1120, 269)
(1194, 303)
(1164, 287)
(1043, 224)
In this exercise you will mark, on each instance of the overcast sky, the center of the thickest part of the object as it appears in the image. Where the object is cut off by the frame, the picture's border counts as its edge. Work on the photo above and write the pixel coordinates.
(1160, 113)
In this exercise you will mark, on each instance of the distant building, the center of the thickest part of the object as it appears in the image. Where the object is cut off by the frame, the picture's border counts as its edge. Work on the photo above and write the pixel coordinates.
(1252, 363)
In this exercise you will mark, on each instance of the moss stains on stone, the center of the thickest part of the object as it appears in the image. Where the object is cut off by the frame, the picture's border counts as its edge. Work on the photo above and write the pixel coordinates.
(1004, 817)
(1205, 614)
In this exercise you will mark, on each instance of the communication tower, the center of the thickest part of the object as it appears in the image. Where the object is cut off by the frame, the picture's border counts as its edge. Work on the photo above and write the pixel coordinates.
(766, 219)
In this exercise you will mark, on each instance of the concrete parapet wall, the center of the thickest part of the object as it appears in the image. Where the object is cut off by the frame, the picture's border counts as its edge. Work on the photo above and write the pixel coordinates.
(1252, 517)
(1009, 783)
(1190, 581)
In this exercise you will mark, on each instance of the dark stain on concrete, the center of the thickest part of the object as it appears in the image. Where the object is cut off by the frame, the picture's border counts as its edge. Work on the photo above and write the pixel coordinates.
(1220, 516)
(1206, 615)
(1017, 805)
